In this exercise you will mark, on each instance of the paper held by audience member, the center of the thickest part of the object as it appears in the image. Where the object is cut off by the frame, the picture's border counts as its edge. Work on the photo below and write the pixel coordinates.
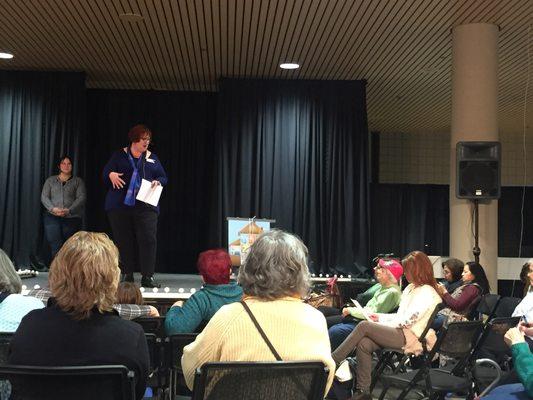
(149, 194)
(361, 309)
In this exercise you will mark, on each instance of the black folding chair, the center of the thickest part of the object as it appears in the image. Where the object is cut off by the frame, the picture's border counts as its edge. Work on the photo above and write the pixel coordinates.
(103, 382)
(506, 307)
(172, 364)
(394, 360)
(5, 339)
(155, 325)
(261, 381)
(487, 306)
(455, 340)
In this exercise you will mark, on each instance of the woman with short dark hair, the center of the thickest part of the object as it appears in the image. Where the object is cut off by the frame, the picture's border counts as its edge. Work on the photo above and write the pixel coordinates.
(63, 197)
(452, 270)
(274, 279)
(133, 222)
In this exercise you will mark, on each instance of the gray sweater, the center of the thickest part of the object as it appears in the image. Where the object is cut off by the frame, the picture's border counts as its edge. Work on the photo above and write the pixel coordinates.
(69, 194)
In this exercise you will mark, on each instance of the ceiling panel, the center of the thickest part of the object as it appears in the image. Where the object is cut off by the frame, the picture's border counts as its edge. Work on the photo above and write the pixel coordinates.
(401, 47)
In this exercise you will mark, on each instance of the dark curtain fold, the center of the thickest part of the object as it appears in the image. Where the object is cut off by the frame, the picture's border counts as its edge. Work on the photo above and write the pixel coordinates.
(183, 126)
(510, 222)
(42, 115)
(409, 217)
(296, 152)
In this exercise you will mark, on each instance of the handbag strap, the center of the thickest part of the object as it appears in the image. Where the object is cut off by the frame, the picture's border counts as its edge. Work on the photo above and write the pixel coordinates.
(261, 331)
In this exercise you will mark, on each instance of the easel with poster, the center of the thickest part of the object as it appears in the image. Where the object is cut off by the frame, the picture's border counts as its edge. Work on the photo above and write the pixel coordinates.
(242, 233)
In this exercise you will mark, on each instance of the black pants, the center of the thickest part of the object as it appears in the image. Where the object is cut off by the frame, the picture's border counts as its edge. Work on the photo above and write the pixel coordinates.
(135, 234)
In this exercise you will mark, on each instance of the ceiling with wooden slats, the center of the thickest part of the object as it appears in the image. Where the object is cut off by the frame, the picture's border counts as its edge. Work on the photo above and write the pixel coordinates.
(401, 47)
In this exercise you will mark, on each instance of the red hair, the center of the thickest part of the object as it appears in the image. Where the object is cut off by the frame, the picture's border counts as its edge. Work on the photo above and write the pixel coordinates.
(418, 266)
(214, 266)
(138, 132)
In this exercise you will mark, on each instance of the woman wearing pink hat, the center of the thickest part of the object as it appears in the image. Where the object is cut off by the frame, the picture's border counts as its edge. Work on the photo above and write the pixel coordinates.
(417, 303)
(385, 298)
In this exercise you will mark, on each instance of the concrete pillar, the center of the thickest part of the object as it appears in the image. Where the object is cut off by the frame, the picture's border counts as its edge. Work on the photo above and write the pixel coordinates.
(474, 118)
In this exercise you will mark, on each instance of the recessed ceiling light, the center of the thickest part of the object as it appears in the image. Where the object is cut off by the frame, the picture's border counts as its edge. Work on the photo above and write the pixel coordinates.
(289, 66)
(131, 17)
(6, 56)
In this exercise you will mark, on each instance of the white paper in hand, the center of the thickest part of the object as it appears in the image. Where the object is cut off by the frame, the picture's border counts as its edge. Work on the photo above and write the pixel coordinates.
(361, 309)
(149, 194)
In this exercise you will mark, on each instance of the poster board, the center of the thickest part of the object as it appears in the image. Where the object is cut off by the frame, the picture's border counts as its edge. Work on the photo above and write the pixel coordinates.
(242, 232)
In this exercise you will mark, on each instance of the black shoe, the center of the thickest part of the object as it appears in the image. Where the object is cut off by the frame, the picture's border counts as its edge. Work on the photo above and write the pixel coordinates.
(360, 395)
(37, 265)
(149, 282)
(128, 278)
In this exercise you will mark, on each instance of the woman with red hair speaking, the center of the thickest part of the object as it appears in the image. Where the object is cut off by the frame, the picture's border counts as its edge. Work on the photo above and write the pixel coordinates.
(215, 268)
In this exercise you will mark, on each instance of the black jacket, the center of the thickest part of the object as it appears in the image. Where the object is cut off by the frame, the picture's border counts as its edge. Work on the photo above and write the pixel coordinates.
(50, 337)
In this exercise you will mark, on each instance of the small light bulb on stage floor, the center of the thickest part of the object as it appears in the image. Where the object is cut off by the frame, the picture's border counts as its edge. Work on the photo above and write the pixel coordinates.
(342, 276)
(36, 287)
(24, 287)
(36, 273)
(193, 290)
(155, 290)
(141, 289)
(320, 275)
(181, 290)
(166, 289)
(327, 275)
(349, 277)
(313, 275)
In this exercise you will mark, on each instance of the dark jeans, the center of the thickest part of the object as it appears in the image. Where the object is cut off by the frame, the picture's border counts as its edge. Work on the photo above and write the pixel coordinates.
(135, 234)
(58, 229)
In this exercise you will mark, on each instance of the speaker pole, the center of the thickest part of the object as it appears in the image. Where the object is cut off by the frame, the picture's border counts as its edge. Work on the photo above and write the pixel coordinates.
(476, 250)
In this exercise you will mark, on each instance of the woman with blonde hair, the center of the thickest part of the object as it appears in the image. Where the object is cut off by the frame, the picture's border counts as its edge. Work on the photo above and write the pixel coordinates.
(79, 327)
(417, 303)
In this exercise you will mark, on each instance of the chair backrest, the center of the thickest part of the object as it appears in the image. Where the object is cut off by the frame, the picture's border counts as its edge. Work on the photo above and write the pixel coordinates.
(5, 339)
(154, 347)
(153, 325)
(107, 382)
(506, 306)
(261, 380)
(176, 343)
(457, 339)
(488, 304)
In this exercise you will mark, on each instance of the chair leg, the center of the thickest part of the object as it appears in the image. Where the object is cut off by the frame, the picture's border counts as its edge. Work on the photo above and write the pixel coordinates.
(383, 392)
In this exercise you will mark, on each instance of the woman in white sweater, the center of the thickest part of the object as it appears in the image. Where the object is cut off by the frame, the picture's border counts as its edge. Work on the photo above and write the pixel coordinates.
(274, 279)
(390, 330)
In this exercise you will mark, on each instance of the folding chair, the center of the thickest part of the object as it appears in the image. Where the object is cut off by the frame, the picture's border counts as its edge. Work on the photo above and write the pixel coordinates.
(172, 364)
(103, 382)
(455, 340)
(261, 381)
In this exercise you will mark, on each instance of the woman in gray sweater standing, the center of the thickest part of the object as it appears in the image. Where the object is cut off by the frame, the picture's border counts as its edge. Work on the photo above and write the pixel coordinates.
(63, 197)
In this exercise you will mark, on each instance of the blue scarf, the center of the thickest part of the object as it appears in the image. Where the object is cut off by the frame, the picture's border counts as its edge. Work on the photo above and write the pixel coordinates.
(135, 181)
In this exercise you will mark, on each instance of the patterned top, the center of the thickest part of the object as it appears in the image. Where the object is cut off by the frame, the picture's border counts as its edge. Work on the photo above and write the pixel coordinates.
(126, 311)
(14, 308)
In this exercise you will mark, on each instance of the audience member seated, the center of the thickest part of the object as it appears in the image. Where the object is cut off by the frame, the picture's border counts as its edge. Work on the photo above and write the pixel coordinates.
(464, 299)
(523, 365)
(452, 269)
(126, 311)
(275, 279)
(215, 268)
(80, 327)
(13, 305)
(129, 293)
(525, 307)
(385, 299)
(400, 330)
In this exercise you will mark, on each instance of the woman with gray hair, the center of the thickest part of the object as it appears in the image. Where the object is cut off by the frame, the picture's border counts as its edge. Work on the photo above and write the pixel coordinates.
(13, 305)
(274, 279)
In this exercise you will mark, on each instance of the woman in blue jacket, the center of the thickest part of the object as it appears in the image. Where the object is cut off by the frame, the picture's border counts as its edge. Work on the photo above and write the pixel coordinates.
(133, 222)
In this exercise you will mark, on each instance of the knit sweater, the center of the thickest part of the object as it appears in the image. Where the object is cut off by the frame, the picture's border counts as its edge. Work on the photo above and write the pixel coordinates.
(384, 300)
(297, 331)
(523, 364)
(416, 305)
(201, 306)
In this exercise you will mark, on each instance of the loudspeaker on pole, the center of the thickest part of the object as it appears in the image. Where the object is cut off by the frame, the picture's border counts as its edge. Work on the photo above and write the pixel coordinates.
(478, 170)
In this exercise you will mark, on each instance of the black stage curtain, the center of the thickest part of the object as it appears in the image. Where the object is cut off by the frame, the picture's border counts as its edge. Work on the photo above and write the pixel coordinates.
(183, 126)
(509, 222)
(297, 152)
(42, 115)
(410, 217)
